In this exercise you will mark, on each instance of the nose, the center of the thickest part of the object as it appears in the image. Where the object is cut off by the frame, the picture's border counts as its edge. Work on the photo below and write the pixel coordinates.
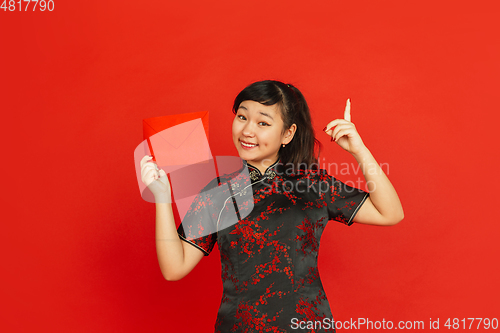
(248, 130)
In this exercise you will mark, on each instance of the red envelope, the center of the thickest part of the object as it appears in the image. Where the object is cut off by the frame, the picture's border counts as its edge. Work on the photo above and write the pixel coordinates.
(177, 142)
(153, 127)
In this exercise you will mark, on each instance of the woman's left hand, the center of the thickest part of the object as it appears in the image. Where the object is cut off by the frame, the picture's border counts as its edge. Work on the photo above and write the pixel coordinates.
(344, 132)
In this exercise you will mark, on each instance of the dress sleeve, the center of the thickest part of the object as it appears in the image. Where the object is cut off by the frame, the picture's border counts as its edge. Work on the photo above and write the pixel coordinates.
(197, 227)
(343, 201)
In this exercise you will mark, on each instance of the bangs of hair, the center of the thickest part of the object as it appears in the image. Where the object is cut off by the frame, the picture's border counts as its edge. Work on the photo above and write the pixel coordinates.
(264, 92)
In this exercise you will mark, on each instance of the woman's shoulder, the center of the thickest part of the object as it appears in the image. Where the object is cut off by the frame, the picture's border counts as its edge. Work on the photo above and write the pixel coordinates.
(318, 180)
(309, 173)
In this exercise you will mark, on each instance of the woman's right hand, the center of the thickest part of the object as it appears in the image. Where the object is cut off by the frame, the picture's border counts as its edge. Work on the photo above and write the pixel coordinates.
(156, 180)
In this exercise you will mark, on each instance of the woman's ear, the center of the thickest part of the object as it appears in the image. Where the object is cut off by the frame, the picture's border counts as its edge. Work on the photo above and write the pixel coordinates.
(289, 133)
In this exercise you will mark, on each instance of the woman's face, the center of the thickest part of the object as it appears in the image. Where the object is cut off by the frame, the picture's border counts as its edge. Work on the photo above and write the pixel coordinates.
(258, 133)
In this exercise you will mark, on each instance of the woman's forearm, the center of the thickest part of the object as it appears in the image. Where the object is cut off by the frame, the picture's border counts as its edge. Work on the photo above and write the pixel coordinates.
(382, 193)
(169, 246)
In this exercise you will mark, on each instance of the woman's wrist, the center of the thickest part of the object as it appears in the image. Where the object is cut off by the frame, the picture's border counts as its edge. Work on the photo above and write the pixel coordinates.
(163, 198)
(362, 155)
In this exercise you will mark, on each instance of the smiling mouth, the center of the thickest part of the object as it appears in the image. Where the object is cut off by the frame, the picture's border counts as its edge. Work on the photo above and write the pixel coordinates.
(248, 145)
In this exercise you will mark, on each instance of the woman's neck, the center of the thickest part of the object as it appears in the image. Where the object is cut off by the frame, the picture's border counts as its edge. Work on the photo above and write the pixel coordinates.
(262, 166)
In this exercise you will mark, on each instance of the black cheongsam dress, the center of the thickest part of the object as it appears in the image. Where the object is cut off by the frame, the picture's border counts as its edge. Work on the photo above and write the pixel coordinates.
(269, 253)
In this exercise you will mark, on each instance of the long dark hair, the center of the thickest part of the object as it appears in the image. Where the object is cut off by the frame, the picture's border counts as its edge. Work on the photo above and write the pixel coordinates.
(300, 152)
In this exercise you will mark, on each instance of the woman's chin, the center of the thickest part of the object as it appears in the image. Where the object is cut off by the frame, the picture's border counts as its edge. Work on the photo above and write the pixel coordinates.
(245, 154)
(246, 157)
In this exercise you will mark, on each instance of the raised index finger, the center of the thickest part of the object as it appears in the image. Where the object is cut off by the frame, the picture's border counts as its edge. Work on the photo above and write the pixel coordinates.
(347, 112)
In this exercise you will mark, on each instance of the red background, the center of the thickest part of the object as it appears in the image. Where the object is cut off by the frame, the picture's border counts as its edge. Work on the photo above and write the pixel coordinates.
(77, 240)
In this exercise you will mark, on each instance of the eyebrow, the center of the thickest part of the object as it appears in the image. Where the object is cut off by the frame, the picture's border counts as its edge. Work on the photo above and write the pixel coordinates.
(262, 113)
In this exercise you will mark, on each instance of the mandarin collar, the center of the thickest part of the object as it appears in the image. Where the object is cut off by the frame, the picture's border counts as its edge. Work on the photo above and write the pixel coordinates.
(256, 175)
